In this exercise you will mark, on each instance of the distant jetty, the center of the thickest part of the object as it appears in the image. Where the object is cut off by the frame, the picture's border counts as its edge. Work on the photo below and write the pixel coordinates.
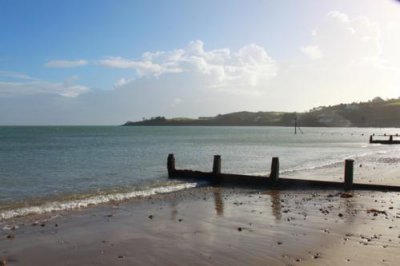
(384, 139)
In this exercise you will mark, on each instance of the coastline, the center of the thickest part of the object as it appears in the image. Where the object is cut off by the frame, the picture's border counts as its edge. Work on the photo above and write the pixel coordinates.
(213, 226)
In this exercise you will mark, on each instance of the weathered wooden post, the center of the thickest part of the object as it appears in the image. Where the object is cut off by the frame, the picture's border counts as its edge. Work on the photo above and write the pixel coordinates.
(217, 165)
(171, 165)
(274, 170)
(348, 174)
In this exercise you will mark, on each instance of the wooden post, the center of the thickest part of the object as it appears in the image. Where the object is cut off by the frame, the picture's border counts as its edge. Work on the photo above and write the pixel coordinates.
(370, 139)
(348, 174)
(217, 165)
(171, 164)
(274, 169)
(391, 138)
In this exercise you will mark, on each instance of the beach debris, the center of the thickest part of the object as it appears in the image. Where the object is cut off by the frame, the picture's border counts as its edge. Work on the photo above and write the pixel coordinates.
(109, 215)
(325, 212)
(10, 227)
(151, 216)
(120, 256)
(10, 236)
(279, 242)
(42, 224)
(346, 195)
(239, 229)
(375, 212)
(180, 220)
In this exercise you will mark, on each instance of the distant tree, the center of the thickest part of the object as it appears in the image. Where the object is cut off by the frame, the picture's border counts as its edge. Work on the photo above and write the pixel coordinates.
(158, 119)
(377, 100)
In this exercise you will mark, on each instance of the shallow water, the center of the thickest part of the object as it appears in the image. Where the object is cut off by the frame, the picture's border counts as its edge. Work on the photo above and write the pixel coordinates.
(46, 164)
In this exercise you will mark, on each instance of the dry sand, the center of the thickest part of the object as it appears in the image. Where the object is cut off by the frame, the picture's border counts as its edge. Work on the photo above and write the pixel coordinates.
(215, 226)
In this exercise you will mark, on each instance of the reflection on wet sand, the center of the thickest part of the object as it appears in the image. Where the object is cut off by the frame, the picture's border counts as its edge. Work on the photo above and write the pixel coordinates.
(219, 203)
(275, 203)
(350, 208)
(174, 210)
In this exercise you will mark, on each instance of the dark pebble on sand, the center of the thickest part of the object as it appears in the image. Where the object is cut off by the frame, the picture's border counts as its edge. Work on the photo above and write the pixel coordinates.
(42, 225)
(120, 257)
(316, 256)
(10, 236)
(340, 215)
(239, 229)
(150, 216)
(180, 220)
(279, 243)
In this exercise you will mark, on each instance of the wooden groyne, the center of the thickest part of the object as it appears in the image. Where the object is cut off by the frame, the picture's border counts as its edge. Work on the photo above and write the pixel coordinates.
(217, 178)
(384, 139)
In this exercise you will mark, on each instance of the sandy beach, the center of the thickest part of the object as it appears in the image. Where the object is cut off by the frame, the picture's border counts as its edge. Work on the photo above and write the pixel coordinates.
(214, 226)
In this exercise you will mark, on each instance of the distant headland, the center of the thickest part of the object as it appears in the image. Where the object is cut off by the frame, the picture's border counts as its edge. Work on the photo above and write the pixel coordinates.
(374, 113)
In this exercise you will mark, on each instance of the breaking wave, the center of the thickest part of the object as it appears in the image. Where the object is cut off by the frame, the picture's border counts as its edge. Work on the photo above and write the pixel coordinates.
(92, 200)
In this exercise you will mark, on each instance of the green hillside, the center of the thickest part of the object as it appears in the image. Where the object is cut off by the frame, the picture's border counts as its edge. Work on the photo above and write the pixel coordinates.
(374, 113)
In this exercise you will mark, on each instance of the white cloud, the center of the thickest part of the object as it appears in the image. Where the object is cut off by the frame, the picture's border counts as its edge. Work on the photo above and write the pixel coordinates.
(312, 51)
(22, 85)
(350, 65)
(8, 75)
(66, 63)
(120, 82)
(176, 102)
(341, 38)
(216, 68)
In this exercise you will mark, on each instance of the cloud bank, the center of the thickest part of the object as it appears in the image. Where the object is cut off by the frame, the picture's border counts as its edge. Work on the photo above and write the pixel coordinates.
(65, 63)
(347, 59)
(220, 68)
(14, 84)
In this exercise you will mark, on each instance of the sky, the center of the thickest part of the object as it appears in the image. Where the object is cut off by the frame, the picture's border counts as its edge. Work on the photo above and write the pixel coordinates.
(103, 62)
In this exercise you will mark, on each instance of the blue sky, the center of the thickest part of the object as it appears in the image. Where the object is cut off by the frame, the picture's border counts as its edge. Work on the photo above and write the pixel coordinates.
(104, 62)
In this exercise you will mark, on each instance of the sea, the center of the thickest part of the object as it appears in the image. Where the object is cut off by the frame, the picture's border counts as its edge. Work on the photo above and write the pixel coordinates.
(50, 168)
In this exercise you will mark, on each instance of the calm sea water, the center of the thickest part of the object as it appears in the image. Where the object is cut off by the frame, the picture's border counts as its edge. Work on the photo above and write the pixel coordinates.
(63, 167)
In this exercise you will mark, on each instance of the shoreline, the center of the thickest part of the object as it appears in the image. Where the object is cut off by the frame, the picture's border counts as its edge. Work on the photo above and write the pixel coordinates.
(382, 172)
(214, 226)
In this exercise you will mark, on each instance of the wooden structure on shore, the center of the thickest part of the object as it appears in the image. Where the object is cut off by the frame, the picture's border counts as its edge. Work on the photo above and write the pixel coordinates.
(389, 139)
(217, 178)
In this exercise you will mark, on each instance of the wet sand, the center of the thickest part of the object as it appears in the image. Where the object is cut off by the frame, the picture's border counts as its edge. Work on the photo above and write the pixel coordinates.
(214, 226)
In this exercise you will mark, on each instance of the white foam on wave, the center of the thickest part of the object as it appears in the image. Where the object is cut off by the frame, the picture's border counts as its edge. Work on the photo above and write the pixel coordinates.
(320, 164)
(94, 200)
